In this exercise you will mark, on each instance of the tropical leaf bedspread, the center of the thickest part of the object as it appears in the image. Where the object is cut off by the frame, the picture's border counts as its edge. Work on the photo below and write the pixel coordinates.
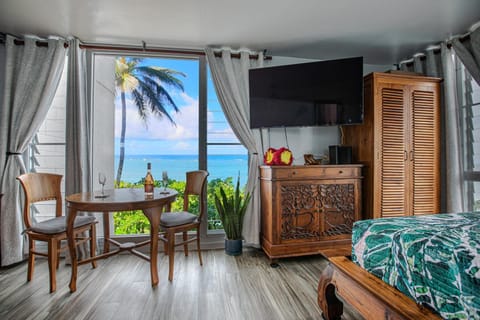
(433, 259)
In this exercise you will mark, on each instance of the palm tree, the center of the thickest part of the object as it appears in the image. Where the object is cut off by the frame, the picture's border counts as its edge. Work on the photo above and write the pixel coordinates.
(146, 84)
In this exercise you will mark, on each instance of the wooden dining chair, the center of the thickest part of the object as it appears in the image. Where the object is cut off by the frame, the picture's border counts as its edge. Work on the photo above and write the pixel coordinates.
(41, 187)
(172, 223)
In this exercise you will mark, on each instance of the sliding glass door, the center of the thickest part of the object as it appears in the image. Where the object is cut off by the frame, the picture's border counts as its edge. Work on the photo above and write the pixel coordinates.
(180, 128)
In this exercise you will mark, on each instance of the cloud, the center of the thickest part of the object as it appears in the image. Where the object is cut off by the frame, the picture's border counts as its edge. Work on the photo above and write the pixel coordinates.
(160, 129)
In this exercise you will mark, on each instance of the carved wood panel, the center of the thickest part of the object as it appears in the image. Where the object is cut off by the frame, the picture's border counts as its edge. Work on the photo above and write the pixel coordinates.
(314, 211)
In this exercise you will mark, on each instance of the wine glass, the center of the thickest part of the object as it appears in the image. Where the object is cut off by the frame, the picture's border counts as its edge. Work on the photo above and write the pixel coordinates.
(102, 179)
(165, 180)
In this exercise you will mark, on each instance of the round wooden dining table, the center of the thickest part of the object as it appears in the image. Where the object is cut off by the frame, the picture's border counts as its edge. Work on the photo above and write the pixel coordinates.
(113, 201)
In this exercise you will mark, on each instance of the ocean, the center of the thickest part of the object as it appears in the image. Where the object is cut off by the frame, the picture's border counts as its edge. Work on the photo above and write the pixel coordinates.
(219, 166)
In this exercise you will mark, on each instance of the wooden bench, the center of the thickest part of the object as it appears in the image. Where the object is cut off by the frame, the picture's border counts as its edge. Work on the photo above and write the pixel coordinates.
(369, 295)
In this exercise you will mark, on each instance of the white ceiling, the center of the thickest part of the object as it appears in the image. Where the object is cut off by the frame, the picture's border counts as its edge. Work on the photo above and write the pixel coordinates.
(383, 31)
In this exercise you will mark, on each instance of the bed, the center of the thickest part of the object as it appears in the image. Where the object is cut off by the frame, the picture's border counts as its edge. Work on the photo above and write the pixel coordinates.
(408, 268)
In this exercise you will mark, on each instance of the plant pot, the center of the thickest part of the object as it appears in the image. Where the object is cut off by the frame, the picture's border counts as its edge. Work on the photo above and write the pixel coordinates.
(233, 247)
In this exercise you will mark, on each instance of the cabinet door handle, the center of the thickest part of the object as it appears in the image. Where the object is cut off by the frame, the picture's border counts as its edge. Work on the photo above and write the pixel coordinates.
(412, 155)
(405, 155)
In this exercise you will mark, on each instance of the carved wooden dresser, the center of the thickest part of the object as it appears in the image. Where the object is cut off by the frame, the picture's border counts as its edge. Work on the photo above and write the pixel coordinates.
(309, 209)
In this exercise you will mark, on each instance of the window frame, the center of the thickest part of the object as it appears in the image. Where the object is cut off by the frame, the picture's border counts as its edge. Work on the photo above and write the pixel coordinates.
(466, 104)
(211, 239)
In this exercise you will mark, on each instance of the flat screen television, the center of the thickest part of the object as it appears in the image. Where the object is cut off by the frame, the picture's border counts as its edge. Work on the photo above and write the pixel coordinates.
(322, 93)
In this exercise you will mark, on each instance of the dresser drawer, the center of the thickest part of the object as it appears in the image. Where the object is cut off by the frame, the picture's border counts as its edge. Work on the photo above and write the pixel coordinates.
(311, 172)
(339, 172)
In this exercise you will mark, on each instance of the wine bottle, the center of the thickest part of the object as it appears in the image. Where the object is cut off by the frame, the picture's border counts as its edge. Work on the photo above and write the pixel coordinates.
(148, 183)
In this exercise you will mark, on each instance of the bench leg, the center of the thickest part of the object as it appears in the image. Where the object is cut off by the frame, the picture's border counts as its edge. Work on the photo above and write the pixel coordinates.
(331, 306)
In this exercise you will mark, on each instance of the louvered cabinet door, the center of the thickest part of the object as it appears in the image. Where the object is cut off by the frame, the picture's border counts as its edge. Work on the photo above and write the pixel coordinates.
(399, 145)
(392, 197)
(424, 158)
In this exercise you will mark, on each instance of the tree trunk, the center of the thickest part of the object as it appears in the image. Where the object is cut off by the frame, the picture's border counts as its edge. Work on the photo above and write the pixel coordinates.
(122, 140)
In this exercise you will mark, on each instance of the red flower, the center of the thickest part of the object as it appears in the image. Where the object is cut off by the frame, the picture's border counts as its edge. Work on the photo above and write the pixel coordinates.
(268, 157)
(282, 156)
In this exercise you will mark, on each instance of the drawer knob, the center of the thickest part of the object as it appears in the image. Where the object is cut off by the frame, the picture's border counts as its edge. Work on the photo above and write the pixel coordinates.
(340, 171)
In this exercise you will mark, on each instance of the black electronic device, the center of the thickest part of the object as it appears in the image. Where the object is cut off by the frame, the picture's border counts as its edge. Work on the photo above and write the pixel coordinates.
(340, 154)
(321, 93)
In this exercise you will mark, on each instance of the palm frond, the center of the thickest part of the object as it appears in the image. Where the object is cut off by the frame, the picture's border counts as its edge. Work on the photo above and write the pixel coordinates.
(139, 100)
(154, 101)
(166, 96)
(124, 74)
(150, 82)
(164, 75)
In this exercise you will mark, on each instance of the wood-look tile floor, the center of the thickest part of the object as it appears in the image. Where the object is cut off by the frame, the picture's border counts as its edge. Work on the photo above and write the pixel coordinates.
(233, 288)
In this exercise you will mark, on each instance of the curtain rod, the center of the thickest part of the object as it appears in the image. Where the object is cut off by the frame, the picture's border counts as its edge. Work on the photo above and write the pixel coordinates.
(218, 54)
(39, 43)
(438, 51)
(139, 49)
(162, 50)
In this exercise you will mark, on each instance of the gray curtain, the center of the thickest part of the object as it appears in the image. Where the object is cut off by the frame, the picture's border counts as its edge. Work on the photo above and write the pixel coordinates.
(78, 134)
(453, 149)
(469, 52)
(418, 65)
(78, 155)
(428, 63)
(230, 76)
(32, 74)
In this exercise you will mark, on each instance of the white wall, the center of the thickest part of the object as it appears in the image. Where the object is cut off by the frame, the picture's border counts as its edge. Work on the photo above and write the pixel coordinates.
(303, 140)
(103, 126)
(3, 122)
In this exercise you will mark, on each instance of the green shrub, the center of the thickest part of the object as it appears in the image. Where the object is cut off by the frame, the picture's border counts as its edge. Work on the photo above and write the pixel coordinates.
(135, 222)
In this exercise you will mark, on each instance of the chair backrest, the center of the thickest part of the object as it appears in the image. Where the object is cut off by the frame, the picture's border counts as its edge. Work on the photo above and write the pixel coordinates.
(40, 187)
(196, 185)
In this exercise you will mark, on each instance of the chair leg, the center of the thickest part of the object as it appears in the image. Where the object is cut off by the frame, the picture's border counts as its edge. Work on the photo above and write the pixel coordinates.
(31, 258)
(185, 246)
(93, 247)
(59, 245)
(198, 247)
(171, 253)
(106, 232)
(165, 245)
(52, 263)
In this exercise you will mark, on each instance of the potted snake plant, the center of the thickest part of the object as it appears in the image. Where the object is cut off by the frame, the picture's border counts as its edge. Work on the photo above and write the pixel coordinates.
(231, 209)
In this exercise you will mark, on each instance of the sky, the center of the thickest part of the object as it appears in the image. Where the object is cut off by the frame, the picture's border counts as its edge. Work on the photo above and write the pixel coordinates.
(159, 136)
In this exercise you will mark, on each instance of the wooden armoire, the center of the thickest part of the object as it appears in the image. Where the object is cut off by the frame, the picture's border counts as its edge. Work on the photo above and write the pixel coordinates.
(399, 145)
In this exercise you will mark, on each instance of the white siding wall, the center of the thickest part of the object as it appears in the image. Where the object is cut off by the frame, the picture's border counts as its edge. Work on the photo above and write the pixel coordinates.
(51, 158)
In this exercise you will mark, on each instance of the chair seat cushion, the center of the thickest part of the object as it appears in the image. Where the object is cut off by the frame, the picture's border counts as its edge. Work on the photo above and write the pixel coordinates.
(172, 219)
(58, 224)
